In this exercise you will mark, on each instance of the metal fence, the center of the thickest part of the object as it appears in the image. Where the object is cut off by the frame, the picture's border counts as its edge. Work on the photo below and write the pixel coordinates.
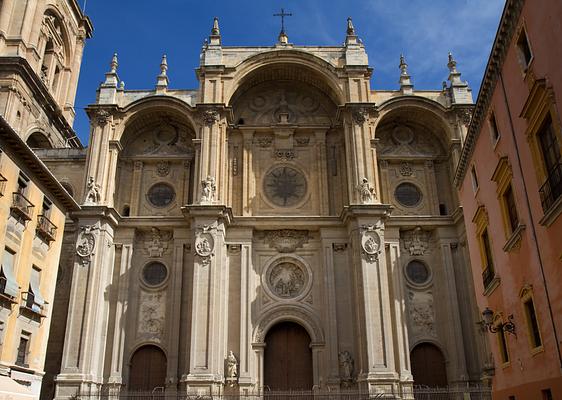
(418, 393)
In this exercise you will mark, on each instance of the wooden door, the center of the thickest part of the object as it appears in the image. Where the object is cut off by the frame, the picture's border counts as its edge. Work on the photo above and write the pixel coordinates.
(288, 358)
(148, 369)
(428, 365)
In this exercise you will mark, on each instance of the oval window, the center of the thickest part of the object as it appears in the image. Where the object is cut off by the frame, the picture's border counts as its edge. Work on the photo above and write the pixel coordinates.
(417, 272)
(154, 273)
(161, 195)
(408, 194)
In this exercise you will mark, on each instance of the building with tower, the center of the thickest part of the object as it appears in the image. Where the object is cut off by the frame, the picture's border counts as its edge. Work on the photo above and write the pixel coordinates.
(41, 45)
(282, 226)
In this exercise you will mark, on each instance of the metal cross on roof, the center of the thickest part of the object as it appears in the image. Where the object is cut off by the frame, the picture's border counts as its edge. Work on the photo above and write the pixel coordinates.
(283, 14)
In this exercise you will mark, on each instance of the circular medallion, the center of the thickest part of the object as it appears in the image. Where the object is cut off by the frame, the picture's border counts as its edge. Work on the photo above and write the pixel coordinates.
(287, 280)
(408, 194)
(154, 273)
(285, 186)
(161, 195)
(402, 135)
(371, 242)
(417, 272)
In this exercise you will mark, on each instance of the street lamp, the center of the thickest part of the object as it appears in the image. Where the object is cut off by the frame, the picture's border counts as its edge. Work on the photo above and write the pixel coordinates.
(488, 319)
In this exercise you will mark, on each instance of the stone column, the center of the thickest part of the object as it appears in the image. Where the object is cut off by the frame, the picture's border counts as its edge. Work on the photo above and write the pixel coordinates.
(247, 296)
(322, 167)
(248, 179)
(376, 353)
(210, 298)
(84, 350)
(124, 255)
(213, 154)
(136, 187)
(457, 364)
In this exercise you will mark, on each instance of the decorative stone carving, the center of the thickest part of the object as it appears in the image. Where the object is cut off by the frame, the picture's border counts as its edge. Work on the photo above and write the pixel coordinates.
(231, 369)
(286, 240)
(421, 313)
(286, 280)
(156, 243)
(92, 192)
(367, 193)
(406, 169)
(285, 155)
(416, 241)
(152, 312)
(162, 168)
(465, 115)
(302, 141)
(265, 141)
(370, 243)
(208, 189)
(338, 247)
(102, 117)
(86, 243)
(289, 311)
(360, 115)
(346, 368)
(204, 244)
(209, 117)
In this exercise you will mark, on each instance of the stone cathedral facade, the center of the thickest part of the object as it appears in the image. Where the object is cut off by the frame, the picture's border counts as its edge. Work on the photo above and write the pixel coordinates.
(283, 226)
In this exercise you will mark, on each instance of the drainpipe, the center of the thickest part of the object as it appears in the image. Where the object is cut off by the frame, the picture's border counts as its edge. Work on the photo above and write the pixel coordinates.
(533, 231)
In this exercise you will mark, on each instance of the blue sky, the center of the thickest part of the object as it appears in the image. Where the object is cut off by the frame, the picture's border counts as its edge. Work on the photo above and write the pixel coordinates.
(140, 31)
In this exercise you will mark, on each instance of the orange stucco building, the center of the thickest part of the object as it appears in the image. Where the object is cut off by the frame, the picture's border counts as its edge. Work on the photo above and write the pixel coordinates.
(510, 185)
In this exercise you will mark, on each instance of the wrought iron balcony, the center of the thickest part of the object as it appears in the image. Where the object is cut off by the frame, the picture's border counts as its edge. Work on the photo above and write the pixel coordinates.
(3, 181)
(46, 230)
(29, 305)
(3, 295)
(21, 207)
(551, 190)
(488, 275)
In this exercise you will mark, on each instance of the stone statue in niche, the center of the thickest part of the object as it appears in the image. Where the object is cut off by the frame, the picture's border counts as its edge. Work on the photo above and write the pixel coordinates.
(346, 368)
(208, 189)
(231, 368)
(93, 192)
(366, 192)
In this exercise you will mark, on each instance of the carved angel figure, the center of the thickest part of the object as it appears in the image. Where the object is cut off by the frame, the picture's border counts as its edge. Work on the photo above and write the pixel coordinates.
(366, 192)
(93, 192)
(208, 190)
(346, 365)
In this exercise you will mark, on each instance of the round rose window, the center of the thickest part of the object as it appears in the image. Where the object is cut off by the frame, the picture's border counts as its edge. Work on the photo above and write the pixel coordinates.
(154, 273)
(161, 195)
(285, 186)
(408, 194)
(417, 272)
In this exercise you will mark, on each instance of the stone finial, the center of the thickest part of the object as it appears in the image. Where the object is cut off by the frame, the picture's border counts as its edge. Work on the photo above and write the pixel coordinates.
(452, 64)
(162, 80)
(406, 86)
(459, 90)
(114, 64)
(216, 30)
(350, 27)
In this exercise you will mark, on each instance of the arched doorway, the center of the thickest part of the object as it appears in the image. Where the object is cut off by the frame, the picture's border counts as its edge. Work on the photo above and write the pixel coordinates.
(428, 365)
(288, 358)
(148, 369)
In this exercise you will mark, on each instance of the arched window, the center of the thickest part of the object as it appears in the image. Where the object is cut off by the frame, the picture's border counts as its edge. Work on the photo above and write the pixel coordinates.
(428, 365)
(38, 140)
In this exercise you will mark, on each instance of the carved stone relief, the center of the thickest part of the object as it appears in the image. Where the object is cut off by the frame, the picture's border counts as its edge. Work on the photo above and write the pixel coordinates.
(347, 364)
(416, 241)
(286, 240)
(156, 242)
(204, 244)
(163, 139)
(406, 169)
(209, 117)
(422, 317)
(286, 280)
(92, 192)
(405, 141)
(152, 313)
(370, 243)
(162, 168)
(208, 189)
(86, 243)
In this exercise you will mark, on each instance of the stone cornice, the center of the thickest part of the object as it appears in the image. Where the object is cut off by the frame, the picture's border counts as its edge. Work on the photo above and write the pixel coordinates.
(504, 36)
(20, 67)
(19, 148)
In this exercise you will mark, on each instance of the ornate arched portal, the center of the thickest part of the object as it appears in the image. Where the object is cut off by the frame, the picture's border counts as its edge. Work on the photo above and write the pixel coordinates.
(148, 369)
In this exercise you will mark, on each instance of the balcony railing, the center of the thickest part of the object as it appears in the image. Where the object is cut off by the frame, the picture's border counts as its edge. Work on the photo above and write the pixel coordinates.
(3, 181)
(28, 304)
(488, 276)
(21, 206)
(46, 230)
(551, 190)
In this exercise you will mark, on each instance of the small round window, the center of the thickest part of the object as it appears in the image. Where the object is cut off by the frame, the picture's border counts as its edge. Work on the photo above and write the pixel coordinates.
(161, 195)
(417, 272)
(408, 194)
(154, 274)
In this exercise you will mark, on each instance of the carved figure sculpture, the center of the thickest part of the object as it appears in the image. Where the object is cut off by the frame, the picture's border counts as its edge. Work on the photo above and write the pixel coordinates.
(346, 367)
(93, 192)
(208, 190)
(231, 365)
(366, 192)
